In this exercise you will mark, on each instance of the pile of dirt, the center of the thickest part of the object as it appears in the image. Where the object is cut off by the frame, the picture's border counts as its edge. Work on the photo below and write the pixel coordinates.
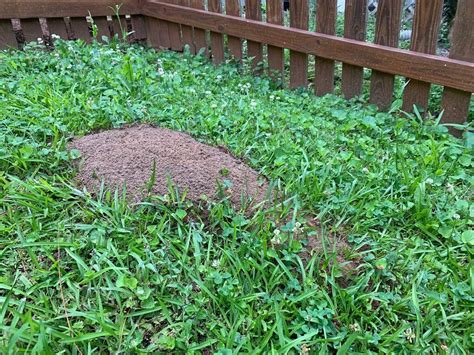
(131, 154)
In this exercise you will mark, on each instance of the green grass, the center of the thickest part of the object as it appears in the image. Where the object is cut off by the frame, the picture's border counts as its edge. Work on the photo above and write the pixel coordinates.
(84, 274)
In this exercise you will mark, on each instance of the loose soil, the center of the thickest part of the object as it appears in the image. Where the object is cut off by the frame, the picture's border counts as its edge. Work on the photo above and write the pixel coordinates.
(130, 155)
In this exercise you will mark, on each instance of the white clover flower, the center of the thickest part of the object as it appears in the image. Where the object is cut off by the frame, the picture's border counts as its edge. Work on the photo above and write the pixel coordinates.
(253, 104)
(450, 188)
(429, 181)
(214, 105)
(160, 71)
(215, 263)
(456, 216)
(207, 92)
(409, 335)
(354, 327)
(272, 97)
(276, 232)
(40, 40)
(365, 170)
(219, 77)
(55, 36)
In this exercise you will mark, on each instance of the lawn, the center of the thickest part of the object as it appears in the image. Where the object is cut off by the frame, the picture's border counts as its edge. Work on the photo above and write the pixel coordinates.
(82, 273)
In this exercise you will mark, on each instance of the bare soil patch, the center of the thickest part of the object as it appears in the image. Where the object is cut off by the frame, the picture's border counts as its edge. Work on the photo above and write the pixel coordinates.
(130, 155)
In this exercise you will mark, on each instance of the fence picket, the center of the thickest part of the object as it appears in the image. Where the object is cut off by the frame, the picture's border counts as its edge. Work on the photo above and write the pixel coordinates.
(80, 28)
(57, 26)
(276, 59)
(187, 31)
(355, 21)
(299, 16)
(153, 37)
(7, 37)
(386, 33)
(217, 39)
(326, 12)
(139, 28)
(254, 49)
(200, 41)
(456, 102)
(424, 38)
(232, 8)
(32, 29)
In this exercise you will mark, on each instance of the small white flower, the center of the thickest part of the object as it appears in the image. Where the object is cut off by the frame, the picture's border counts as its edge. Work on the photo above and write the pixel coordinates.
(253, 104)
(456, 216)
(55, 36)
(208, 93)
(429, 181)
(215, 263)
(278, 97)
(276, 232)
(354, 327)
(40, 40)
(409, 335)
(160, 71)
(219, 77)
(365, 170)
(272, 97)
(213, 105)
(450, 188)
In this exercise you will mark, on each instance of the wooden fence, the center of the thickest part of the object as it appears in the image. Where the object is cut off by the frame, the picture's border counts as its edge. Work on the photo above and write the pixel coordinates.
(249, 31)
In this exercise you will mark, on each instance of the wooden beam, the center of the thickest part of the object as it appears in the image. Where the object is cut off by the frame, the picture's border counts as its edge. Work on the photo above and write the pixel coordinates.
(430, 68)
(23, 9)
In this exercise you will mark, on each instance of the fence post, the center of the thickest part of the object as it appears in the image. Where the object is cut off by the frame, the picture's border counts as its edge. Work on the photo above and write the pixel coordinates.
(424, 38)
(299, 15)
(355, 27)
(326, 12)
(456, 102)
(387, 33)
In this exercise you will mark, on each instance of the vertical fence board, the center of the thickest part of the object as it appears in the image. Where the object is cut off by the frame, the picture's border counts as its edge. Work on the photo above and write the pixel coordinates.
(217, 39)
(103, 28)
(299, 15)
(31, 29)
(139, 28)
(456, 102)
(80, 28)
(187, 31)
(200, 41)
(232, 8)
(253, 12)
(276, 59)
(386, 33)
(424, 38)
(174, 31)
(153, 38)
(326, 12)
(7, 37)
(355, 21)
(57, 26)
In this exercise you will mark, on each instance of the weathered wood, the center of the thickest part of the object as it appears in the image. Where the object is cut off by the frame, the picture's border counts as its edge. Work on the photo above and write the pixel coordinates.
(80, 28)
(276, 59)
(438, 70)
(232, 8)
(217, 39)
(31, 29)
(200, 40)
(57, 26)
(299, 15)
(386, 33)
(456, 102)
(7, 37)
(254, 49)
(326, 13)
(355, 25)
(103, 28)
(152, 26)
(424, 38)
(187, 31)
(23, 9)
(139, 28)
(174, 31)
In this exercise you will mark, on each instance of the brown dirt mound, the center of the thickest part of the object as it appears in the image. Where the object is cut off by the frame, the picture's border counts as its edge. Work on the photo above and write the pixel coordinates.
(127, 155)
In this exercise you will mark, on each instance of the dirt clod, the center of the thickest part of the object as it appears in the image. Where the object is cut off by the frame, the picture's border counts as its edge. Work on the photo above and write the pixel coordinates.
(131, 154)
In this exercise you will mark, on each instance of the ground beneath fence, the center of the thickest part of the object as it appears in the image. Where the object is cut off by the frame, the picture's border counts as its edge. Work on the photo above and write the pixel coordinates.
(147, 158)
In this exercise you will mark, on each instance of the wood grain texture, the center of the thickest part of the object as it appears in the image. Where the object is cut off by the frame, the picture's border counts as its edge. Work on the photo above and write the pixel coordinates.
(217, 39)
(254, 49)
(326, 12)
(424, 38)
(7, 37)
(355, 26)
(200, 41)
(299, 15)
(232, 8)
(456, 102)
(187, 31)
(387, 31)
(103, 27)
(57, 26)
(276, 58)
(23, 9)
(80, 28)
(153, 38)
(438, 70)
(31, 29)
(139, 28)
(174, 31)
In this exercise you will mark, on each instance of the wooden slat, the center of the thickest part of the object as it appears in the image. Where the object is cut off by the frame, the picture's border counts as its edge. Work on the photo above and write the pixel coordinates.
(217, 39)
(456, 102)
(23, 9)
(174, 31)
(355, 20)
(232, 8)
(438, 70)
(57, 26)
(31, 29)
(276, 59)
(7, 37)
(299, 15)
(326, 12)
(119, 25)
(139, 27)
(187, 31)
(153, 33)
(424, 38)
(254, 49)
(102, 27)
(387, 32)
(200, 41)
(80, 28)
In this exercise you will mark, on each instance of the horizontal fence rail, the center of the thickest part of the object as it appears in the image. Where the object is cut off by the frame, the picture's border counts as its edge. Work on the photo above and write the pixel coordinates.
(241, 29)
